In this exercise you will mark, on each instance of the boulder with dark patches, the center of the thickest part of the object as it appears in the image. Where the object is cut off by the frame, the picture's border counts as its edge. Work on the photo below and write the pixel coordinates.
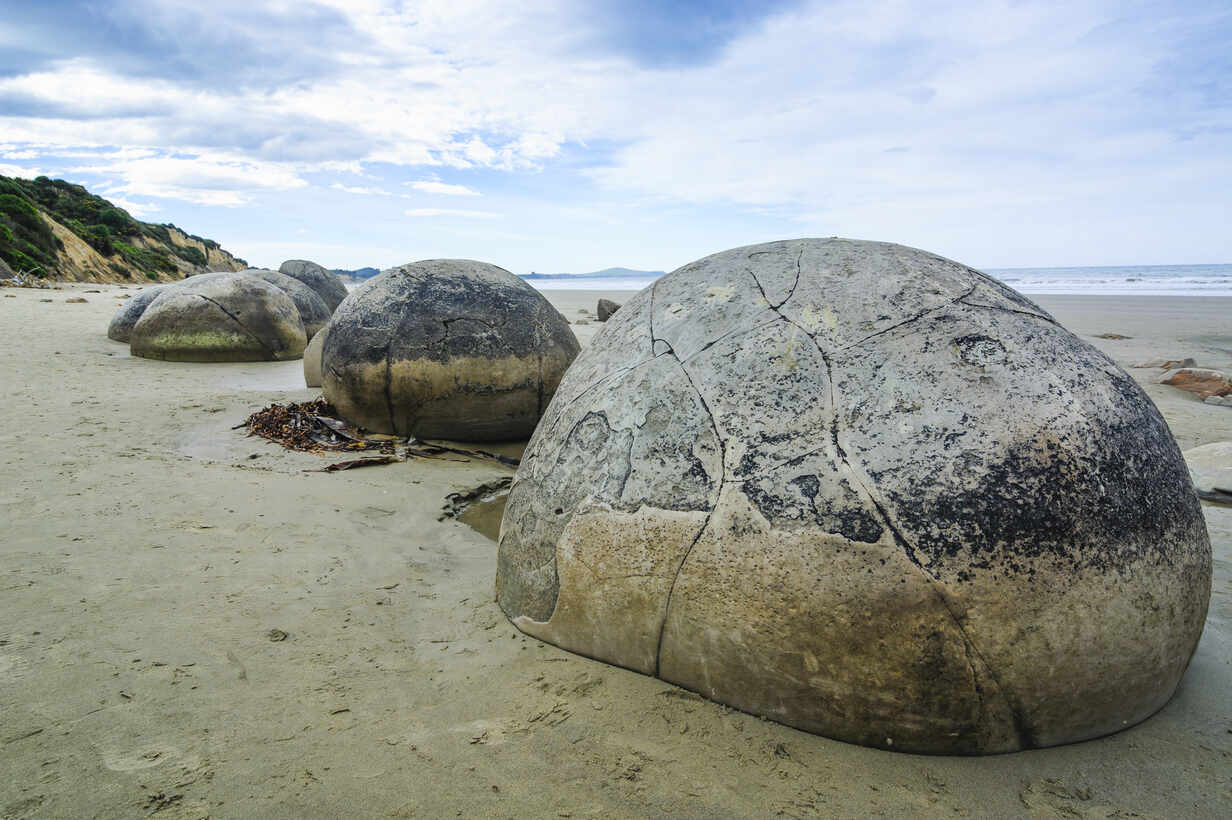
(312, 308)
(222, 317)
(446, 348)
(121, 327)
(606, 308)
(327, 284)
(867, 492)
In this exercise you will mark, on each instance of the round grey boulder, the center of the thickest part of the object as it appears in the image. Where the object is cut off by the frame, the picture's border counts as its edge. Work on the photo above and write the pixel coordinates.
(327, 284)
(222, 317)
(446, 348)
(867, 492)
(121, 327)
(312, 308)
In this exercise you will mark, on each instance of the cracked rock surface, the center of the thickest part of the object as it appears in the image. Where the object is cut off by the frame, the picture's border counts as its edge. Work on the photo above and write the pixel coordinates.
(446, 348)
(868, 492)
(220, 317)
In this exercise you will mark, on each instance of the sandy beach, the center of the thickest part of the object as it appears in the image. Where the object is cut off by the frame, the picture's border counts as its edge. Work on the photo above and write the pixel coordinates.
(192, 626)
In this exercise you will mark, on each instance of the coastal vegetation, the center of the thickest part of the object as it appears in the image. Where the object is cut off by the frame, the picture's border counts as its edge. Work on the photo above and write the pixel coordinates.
(97, 240)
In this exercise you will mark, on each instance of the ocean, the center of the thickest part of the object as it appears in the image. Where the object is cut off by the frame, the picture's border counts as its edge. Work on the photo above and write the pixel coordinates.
(1143, 280)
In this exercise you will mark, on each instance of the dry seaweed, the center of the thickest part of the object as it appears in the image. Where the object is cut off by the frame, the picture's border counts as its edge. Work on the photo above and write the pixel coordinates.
(313, 428)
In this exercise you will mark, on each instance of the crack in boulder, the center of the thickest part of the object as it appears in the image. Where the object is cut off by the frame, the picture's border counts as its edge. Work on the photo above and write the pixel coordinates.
(242, 327)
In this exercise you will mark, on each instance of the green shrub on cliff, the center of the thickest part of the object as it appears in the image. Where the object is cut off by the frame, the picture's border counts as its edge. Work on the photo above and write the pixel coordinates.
(26, 240)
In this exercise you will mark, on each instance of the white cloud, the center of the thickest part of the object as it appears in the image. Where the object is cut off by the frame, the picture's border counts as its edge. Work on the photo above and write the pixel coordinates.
(432, 187)
(18, 171)
(1003, 115)
(451, 212)
(204, 179)
(140, 210)
(360, 190)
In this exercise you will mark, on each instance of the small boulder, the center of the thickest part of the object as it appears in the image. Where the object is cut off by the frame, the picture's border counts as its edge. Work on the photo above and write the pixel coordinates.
(326, 283)
(446, 348)
(1200, 381)
(606, 308)
(312, 308)
(77, 300)
(1166, 364)
(312, 358)
(121, 327)
(1210, 466)
(228, 317)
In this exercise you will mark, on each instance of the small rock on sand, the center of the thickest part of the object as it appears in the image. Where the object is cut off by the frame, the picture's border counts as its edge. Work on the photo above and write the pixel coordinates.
(1199, 380)
(606, 308)
(1167, 364)
(1210, 467)
(77, 300)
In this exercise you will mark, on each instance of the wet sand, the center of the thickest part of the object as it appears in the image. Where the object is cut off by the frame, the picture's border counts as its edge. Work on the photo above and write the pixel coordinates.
(153, 557)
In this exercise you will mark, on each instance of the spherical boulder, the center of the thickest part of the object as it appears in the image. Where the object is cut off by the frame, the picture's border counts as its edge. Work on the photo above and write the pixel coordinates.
(121, 327)
(222, 317)
(446, 348)
(312, 308)
(864, 491)
(312, 358)
(327, 284)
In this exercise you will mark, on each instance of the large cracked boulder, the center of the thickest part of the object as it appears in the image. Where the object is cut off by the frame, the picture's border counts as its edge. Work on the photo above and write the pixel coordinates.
(446, 348)
(327, 284)
(220, 317)
(312, 308)
(864, 491)
(121, 327)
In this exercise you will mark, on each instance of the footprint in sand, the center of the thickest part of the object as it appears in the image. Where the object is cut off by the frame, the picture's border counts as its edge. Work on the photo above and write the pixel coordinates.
(12, 667)
(147, 756)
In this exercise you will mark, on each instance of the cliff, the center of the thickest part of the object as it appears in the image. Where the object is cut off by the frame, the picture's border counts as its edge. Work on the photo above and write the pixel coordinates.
(59, 230)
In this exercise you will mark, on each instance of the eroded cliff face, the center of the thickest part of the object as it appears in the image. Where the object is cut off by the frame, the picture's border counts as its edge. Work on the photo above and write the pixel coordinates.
(78, 262)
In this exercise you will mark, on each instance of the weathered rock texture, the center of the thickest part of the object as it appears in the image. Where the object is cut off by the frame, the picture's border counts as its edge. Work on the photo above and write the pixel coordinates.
(121, 327)
(446, 348)
(220, 317)
(313, 311)
(606, 308)
(327, 284)
(867, 492)
(312, 358)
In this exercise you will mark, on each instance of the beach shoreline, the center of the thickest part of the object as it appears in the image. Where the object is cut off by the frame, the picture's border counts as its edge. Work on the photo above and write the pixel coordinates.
(153, 556)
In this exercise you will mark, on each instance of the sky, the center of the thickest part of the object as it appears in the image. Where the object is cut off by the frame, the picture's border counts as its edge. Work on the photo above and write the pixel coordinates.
(569, 136)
